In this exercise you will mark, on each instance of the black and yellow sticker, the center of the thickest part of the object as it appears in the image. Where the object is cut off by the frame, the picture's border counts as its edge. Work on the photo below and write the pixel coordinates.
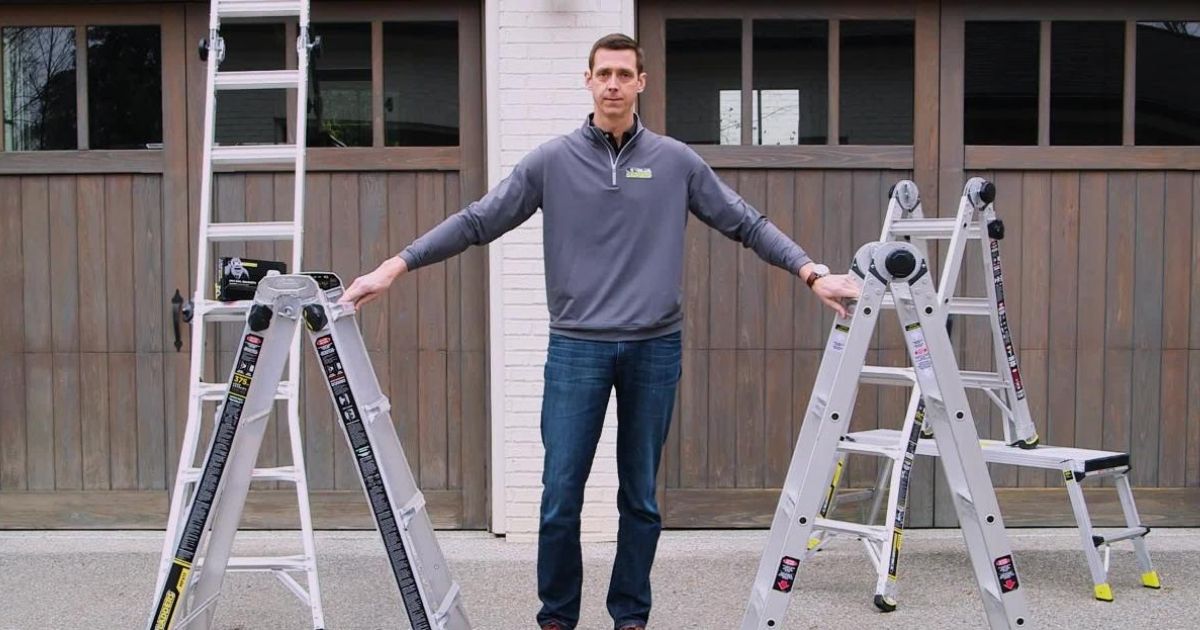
(210, 481)
(372, 478)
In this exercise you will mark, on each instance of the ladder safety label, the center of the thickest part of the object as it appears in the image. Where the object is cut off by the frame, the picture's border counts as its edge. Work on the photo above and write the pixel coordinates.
(786, 576)
(837, 340)
(377, 494)
(922, 360)
(1006, 573)
(1002, 316)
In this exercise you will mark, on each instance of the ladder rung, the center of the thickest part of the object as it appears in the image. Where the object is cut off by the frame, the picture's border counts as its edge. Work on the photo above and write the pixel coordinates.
(265, 563)
(214, 311)
(260, 231)
(891, 451)
(874, 533)
(1124, 534)
(276, 473)
(957, 305)
(258, 8)
(216, 391)
(931, 228)
(254, 154)
(904, 376)
(264, 80)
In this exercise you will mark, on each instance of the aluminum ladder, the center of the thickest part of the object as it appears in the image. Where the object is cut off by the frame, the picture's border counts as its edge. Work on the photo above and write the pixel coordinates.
(205, 310)
(976, 219)
(897, 269)
(431, 597)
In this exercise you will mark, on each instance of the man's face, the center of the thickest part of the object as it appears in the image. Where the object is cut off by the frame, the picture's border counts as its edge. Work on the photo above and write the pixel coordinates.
(615, 81)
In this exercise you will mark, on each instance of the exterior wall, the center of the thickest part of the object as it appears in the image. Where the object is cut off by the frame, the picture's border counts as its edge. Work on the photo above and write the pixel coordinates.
(535, 92)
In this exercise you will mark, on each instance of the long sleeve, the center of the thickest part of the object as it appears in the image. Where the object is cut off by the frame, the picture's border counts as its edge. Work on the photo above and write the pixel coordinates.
(725, 211)
(503, 208)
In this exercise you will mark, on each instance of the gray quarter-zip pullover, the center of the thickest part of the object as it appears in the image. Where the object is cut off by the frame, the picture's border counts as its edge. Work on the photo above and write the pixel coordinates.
(613, 229)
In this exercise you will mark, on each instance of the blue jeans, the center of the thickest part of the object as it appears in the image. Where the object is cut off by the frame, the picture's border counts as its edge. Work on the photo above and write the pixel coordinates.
(579, 377)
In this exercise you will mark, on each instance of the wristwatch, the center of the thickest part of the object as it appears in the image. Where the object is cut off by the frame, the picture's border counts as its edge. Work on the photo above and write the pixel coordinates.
(818, 271)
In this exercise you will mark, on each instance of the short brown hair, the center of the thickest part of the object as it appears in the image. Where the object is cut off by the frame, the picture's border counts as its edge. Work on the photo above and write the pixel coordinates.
(616, 41)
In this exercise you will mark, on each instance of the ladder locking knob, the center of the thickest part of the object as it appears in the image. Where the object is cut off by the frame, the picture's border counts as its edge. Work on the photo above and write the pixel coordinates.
(203, 49)
(996, 230)
(260, 317)
(901, 263)
(314, 317)
(987, 194)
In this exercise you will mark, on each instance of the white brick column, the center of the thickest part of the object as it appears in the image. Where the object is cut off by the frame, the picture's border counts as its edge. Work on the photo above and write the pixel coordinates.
(536, 52)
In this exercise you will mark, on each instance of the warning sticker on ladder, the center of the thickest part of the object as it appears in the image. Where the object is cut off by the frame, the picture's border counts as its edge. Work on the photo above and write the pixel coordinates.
(922, 360)
(377, 493)
(786, 576)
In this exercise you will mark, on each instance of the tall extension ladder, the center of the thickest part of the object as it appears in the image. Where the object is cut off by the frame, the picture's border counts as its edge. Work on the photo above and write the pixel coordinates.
(205, 311)
(976, 219)
(430, 595)
(898, 269)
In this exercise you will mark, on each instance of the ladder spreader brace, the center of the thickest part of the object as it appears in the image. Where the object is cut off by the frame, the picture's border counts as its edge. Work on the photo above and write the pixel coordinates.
(898, 269)
(976, 219)
(188, 596)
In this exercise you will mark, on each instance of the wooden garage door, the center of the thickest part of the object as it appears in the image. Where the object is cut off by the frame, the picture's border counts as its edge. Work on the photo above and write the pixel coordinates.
(96, 242)
(1093, 260)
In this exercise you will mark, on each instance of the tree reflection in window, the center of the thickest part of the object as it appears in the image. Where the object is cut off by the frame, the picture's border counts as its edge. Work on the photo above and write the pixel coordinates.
(39, 88)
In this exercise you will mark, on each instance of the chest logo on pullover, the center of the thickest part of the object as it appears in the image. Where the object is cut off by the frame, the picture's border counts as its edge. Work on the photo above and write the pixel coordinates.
(638, 173)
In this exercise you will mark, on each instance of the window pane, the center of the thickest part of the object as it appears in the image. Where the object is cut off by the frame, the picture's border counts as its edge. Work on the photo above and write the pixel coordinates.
(420, 83)
(1087, 71)
(1168, 83)
(124, 87)
(252, 116)
(340, 87)
(791, 91)
(877, 82)
(704, 81)
(39, 88)
(1001, 83)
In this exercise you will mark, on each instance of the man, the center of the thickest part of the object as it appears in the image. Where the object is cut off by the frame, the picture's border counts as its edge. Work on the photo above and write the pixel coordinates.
(615, 198)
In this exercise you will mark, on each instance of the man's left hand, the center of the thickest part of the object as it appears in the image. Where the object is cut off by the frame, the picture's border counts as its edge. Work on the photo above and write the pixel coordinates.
(836, 290)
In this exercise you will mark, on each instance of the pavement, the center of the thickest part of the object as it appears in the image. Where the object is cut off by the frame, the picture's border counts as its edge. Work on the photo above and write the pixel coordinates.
(102, 580)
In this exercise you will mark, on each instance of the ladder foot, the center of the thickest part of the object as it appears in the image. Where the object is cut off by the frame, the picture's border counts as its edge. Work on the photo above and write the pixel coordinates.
(885, 604)
(1028, 443)
(1103, 592)
(1150, 580)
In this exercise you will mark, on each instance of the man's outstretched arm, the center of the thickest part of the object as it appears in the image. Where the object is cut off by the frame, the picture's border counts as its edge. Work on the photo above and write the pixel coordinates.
(503, 208)
(725, 211)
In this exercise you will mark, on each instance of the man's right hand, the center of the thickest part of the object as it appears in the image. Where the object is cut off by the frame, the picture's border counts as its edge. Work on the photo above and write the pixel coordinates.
(370, 286)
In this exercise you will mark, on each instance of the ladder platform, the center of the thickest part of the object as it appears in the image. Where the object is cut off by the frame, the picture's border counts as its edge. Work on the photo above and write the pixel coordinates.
(261, 80)
(216, 391)
(956, 306)
(1079, 460)
(244, 154)
(257, 231)
(275, 473)
(258, 8)
(904, 377)
(932, 228)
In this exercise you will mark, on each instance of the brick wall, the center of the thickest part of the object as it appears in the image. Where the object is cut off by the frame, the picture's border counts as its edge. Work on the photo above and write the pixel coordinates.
(540, 49)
